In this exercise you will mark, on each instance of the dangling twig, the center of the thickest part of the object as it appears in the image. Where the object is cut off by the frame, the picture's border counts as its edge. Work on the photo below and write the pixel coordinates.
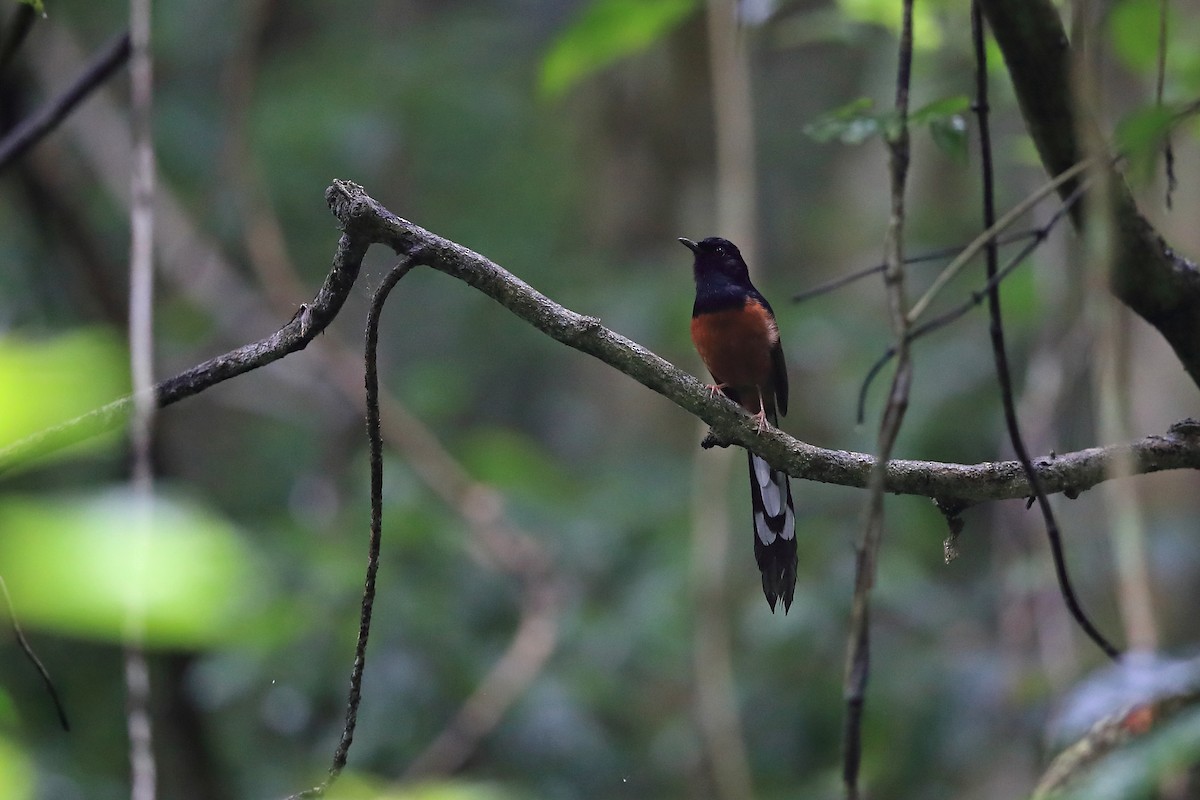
(996, 330)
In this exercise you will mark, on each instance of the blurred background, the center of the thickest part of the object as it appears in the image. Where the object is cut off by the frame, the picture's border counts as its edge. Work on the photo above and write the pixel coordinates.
(568, 604)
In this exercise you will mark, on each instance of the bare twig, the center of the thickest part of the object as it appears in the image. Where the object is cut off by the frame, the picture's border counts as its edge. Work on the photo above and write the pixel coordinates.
(988, 237)
(143, 770)
(933, 255)
(976, 298)
(1160, 82)
(1000, 355)
(36, 126)
(375, 440)
(27, 649)
(1119, 730)
(858, 648)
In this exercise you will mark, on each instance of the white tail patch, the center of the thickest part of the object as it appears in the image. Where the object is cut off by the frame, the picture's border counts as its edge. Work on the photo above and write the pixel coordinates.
(768, 489)
(773, 513)
(765, 534)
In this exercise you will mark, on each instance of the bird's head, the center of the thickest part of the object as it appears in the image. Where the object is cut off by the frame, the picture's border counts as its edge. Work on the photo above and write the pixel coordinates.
(717, 258)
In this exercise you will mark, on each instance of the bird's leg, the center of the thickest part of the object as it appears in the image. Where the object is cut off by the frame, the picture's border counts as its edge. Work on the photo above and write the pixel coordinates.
(714, 388)
(760, 419)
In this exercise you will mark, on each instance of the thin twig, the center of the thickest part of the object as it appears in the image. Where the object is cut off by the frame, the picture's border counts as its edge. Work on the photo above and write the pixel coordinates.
(375, 440)
(932, 255)
(143, 769)
(982, 240)
(1000, 355)
(858, 648)
(977, 297)
(1164, 7)
(32, 129)
(27, 649)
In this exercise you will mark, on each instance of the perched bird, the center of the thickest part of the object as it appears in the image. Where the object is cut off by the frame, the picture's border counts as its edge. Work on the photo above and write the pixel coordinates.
(734, 330)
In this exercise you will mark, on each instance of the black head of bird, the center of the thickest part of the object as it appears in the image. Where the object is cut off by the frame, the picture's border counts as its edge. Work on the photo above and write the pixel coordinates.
(718, 259)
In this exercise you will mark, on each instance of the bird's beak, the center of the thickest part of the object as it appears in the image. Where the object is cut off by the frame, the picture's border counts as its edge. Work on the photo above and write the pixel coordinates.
(688, 243)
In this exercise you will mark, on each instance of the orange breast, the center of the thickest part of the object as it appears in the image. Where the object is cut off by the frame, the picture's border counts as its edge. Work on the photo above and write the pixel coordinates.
(736, 345)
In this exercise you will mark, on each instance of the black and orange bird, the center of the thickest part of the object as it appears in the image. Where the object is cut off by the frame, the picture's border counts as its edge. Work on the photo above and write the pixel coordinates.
(734, 330)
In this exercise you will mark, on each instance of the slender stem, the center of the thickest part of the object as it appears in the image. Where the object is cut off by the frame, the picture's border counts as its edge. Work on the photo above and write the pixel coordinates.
(858, 647)
(143, 769)
(35, 127)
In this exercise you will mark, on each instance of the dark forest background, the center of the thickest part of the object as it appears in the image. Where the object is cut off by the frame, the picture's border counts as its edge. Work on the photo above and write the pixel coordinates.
(541, 508)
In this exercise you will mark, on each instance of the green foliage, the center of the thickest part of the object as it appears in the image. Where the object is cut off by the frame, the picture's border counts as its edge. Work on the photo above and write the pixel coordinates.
(16, 772)
(857, 122)
(87, 566)
(1140, 136)
(946, 124)
(927, 32)
(852, 123)
(1133, 27)
(355, 787)
(38, 5)
(607, 31)
(49, 381)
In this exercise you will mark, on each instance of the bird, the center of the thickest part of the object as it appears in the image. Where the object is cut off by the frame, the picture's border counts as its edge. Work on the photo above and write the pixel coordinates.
(737, 337)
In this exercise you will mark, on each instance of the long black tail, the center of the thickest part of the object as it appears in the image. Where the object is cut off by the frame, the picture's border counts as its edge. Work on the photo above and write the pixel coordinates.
(774, 531)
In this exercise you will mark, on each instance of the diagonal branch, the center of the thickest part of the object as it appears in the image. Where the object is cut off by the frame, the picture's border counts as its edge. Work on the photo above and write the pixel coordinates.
(35, 127)
(1147, 275)
(365, 222)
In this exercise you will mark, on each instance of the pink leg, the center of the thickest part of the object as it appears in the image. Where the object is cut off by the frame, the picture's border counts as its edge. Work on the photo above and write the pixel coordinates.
(760, 419)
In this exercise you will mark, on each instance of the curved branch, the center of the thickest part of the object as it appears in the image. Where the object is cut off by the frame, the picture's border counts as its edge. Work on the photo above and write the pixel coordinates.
(308, 321)
(365, 222)
(1151, 278)
(952, 485)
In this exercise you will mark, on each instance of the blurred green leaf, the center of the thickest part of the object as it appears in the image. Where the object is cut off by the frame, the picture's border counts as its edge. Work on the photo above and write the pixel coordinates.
(608, 30)
(51, 381)
(1140, 137)
(1134, 27)
(852, 123)
(8, 713)
(1143, 131)
(950, 136)
(38, 6)
(945, 108)
(855, 122)
(16, 772)
(355, 787)
(88, 567)
(927, 32)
